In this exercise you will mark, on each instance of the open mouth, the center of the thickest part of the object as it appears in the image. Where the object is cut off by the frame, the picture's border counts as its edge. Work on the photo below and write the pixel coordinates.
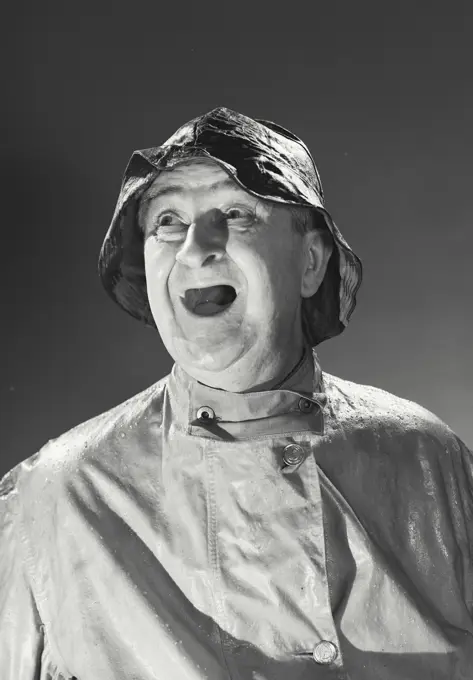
(209, 301)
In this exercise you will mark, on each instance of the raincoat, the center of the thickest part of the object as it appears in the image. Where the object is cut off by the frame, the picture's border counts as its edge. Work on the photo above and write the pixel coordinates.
(322, 529)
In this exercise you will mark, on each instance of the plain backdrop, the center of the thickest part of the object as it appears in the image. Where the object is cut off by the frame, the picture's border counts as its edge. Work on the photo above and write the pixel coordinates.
(382, 94)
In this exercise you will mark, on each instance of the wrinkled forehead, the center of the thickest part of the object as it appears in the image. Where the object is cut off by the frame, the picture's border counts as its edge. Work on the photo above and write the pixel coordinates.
(190, 176)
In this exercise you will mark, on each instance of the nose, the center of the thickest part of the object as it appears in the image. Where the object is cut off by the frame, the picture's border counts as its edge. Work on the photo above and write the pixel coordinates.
(205, 241)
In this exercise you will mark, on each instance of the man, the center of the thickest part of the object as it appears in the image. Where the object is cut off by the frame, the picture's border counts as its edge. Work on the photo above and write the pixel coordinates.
(249, 516)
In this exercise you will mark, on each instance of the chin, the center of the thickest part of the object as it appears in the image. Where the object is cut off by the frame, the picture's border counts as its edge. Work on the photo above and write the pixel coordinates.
(205, 357)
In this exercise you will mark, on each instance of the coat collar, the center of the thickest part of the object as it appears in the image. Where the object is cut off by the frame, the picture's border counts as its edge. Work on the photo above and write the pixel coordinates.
(200, 406)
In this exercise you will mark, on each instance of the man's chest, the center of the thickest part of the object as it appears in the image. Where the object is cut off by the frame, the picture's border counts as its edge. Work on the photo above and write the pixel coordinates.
(224, 564)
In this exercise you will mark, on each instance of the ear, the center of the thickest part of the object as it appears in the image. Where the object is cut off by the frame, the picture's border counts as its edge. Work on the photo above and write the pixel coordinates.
(317, 248)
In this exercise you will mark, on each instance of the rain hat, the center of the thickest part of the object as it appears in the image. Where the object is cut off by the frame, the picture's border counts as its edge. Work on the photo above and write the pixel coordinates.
(266, 160)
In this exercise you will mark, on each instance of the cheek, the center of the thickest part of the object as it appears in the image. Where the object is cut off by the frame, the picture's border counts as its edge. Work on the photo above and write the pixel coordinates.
(270, 269)
(159, 259)
(250, 262)
(261, 294)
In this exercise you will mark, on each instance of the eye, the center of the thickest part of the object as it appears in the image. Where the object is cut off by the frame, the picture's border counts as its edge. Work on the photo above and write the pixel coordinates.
(168, 219)
(240, 214)
(234, 213)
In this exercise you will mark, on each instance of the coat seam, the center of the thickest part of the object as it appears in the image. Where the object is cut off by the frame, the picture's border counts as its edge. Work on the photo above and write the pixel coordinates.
(213, 557)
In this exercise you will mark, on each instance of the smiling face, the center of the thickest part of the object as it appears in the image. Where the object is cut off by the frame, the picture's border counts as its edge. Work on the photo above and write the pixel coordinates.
(203, 230)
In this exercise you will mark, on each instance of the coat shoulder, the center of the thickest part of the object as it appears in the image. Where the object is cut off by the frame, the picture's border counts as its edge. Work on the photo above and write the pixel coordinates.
(360, 407)
(65, 453)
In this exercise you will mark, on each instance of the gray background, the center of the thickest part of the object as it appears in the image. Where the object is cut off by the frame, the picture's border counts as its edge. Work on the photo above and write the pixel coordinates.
(381, 93)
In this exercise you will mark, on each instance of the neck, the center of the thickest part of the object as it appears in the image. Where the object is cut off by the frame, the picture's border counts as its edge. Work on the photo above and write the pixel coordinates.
(290, 366)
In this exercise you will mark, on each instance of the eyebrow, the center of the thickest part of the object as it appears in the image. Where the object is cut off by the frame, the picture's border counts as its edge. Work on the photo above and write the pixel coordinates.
(178, 189)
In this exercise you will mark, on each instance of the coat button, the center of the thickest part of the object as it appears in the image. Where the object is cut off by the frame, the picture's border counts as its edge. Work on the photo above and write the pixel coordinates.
(293, 454)
(205, 414)
(306, 406)
(324, 652)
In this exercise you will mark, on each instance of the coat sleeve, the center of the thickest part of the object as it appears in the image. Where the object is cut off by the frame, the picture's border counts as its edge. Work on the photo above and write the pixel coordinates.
(21, 639)
(463, 466)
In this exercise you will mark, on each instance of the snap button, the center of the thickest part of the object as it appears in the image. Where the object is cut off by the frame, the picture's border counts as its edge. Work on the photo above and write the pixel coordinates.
(324, 652)
(205, 413)
(306, 406)
(293, 454)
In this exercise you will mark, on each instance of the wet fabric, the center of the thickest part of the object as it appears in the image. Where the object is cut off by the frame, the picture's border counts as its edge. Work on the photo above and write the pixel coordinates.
(320, 530)
(266, 160)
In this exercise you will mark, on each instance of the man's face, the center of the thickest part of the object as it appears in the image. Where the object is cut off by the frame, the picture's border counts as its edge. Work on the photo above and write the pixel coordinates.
(201, 230)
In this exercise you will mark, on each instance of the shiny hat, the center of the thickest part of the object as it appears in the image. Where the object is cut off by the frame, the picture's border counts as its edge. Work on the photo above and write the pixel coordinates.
(266, 160)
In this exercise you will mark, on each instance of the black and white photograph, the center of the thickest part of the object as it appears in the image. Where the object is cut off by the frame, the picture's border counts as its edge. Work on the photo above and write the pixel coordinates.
(236, 386)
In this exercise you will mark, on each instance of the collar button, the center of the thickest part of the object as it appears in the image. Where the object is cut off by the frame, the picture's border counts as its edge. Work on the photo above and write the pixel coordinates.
(325, 652)
(205, 414)
(293, 454)
(306, 406)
